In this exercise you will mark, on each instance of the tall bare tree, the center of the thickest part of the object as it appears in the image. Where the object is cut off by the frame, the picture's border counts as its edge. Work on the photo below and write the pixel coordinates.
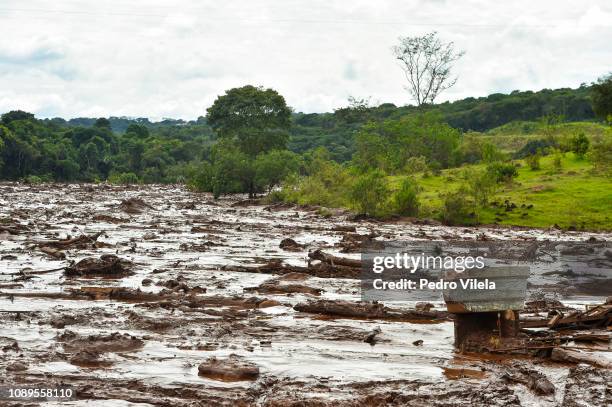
(427, 63)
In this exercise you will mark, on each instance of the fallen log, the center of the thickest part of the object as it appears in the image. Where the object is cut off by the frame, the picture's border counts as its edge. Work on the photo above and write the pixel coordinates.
(334, 260)
(275, 287)
(600, 315)
(368, 310)
(566, 355)
(55, 253)
(322, 270)
(80, 242)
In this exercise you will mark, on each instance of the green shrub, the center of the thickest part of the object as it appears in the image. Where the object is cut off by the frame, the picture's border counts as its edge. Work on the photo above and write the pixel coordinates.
(369, 192)
(457, 209)
(601, 156)
(406, 200)
(33, 180)
(502, 172)
(579, 145)
(124, 178)
(533, 161)
(557, 161)
(415, 165)
(480, 185)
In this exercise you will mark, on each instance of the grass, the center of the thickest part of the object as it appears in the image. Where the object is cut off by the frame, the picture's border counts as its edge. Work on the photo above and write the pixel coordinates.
(513, 136)
(573, 197)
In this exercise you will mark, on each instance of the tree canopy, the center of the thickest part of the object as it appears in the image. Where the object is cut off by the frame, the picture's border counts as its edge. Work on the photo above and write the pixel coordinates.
(257, 119)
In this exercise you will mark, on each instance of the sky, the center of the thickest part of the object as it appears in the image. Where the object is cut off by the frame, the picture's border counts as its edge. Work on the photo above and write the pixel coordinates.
(162, 59)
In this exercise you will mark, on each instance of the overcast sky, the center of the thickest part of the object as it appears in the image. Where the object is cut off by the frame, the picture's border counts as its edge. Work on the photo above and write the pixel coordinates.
(153, 59)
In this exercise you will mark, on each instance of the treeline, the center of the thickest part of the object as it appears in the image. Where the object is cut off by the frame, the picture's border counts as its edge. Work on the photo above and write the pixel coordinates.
(228, 152)
(46, 150)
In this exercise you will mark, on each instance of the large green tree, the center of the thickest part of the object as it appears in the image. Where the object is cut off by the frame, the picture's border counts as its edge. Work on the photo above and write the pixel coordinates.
(257, 119)
(601, 95)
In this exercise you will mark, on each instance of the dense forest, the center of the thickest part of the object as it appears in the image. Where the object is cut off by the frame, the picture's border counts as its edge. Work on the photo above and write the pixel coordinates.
(89, 149)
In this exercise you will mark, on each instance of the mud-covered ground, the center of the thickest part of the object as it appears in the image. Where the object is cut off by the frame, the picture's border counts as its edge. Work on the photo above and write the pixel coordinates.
(183, 316)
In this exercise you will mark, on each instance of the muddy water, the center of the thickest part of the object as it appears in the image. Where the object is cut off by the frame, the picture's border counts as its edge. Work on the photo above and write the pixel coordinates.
(191, 239)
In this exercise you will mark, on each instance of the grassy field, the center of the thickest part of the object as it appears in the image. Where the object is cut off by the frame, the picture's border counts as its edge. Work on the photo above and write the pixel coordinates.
(512, 136)
(573, 197)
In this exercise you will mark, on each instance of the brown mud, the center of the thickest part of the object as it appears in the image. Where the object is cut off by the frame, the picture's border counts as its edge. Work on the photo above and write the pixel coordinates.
(157, 296)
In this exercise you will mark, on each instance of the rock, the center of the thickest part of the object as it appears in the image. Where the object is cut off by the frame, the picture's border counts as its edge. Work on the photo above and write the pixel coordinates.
(418, 342)
(290, 245)
(16, 367)
(232, 369)
(149, 236)
(423, 306)
(371, 338)
(540, 385)
(108, 265)
(146, 282)
(134, 205)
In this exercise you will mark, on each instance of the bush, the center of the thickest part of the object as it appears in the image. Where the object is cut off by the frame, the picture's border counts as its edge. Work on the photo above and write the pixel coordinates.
(405, 200)
(480, 185)
(368, 193)
(457, 209)
(124, 178)
(502, 172)
(601, 156)
(33, 180)
(533, 161)
(416, 164)
(557, 160)
(579, 145)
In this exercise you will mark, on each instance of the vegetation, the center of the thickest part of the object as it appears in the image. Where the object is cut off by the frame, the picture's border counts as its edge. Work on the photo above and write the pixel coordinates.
(462, 163)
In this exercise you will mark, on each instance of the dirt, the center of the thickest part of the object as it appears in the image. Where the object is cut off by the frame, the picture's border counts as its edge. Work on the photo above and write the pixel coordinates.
(157, 296)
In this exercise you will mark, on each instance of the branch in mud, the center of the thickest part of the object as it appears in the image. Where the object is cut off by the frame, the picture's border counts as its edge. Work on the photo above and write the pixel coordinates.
(367, 310)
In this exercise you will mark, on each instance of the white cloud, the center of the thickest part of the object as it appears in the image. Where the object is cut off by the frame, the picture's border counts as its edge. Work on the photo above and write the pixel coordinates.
(145, 58)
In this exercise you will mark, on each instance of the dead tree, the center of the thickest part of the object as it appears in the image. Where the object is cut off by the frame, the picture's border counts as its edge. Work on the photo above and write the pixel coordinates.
(427, 63)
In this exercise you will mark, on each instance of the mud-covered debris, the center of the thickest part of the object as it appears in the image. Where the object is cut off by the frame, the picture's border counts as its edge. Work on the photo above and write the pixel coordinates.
(16, 367)
(13, 346)
(102, 217)
(344, 228)
(367, 310)
(290, 245)
(334, 260)
(596, 316)
(8, 257)
(97, 344)
(13, 228)
(587, 386)
(247, 202)
(108, 265)
(232, 369)
(134, 205)
(276, 287)
(79, 242)
(87, 358)
(354, 242)
(535, 381)
(578, 356)
(52, 252)
(423, 306)
(371, 337)
(149, 236)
